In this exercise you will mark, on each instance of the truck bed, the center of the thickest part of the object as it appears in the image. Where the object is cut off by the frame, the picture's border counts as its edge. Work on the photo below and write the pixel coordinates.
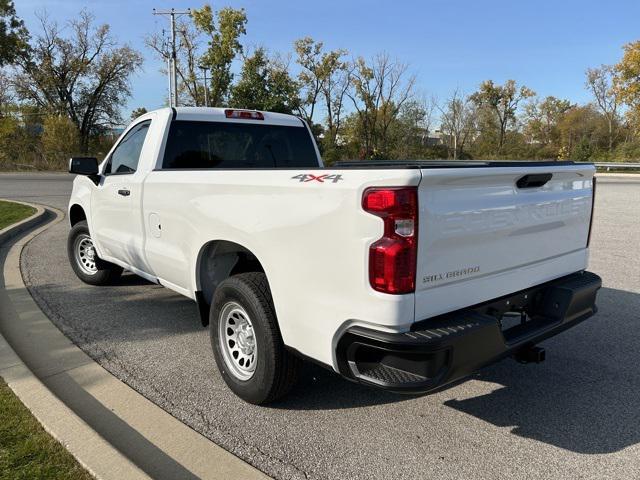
(426, 164)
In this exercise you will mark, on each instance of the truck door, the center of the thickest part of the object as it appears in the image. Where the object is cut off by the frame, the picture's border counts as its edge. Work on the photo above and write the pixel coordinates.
(117, 225)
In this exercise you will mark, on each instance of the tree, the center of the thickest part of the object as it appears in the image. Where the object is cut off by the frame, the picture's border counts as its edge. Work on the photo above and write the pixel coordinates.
(321, 78)
(542, 118)
(379, 90)
(265, 84)
(84, 76)
(502, 102)
(600, 83)
(60, 141)
(457, 122)
(582, 130)
(409, 134)
(223, 47)
(13, 34)
(627, 82)
(137, 112)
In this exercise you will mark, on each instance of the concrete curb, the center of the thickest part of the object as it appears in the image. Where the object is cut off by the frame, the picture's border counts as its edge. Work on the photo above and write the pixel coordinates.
(110, 428)
(12, 231)
(94, 453)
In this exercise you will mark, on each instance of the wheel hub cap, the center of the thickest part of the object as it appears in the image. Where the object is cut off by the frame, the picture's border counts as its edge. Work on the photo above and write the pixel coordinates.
(85, 254)
(237, 341)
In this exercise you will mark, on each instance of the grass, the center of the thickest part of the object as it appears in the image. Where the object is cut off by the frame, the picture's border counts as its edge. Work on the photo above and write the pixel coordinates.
(13, 212)
(26, 450)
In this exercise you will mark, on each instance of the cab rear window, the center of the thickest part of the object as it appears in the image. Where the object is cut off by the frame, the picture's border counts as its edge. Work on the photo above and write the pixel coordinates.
(226, 145)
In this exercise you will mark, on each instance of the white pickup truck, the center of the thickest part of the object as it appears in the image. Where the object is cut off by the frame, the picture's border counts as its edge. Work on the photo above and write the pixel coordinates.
(401, 275)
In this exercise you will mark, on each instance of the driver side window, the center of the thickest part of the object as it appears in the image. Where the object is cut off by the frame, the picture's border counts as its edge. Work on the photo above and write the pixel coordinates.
(125, 157)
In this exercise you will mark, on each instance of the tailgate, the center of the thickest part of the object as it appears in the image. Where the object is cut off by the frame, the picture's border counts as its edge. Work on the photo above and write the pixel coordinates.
(488, 232)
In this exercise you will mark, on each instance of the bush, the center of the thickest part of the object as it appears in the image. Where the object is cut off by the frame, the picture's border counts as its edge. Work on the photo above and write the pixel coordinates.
(60, 141)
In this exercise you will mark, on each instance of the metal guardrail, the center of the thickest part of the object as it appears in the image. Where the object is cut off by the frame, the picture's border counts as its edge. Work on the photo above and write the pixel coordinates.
(610, 165)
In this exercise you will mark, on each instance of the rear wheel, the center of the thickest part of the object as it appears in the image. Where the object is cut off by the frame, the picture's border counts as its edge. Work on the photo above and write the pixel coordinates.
(85, 261)
(246, 340)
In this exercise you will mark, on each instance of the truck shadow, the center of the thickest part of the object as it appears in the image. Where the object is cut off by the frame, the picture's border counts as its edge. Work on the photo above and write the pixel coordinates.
(585, 398)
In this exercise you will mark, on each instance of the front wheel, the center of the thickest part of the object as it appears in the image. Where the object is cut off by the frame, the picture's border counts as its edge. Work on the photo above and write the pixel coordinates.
(246, 341)
(85, 261)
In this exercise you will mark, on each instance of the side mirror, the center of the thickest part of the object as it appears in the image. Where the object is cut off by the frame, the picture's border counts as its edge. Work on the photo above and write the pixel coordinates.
(83, 166)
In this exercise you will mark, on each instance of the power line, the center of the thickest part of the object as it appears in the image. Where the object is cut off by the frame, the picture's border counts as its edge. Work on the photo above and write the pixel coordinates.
(173, 75)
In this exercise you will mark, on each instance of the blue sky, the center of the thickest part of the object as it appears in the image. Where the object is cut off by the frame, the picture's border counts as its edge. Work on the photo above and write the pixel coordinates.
(545, 44)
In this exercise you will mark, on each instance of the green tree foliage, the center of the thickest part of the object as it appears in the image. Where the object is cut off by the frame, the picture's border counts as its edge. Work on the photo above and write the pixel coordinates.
(137, 112)
(60, 141)
(79, 72)
(500, 105)
(13, 34)
(265, 84)
(223, 30)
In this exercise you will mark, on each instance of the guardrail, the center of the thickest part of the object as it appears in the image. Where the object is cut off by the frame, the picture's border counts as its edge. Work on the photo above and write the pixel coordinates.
(610, 165)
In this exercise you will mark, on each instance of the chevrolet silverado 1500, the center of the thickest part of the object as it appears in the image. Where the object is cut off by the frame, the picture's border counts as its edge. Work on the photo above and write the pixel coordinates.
(401, 275)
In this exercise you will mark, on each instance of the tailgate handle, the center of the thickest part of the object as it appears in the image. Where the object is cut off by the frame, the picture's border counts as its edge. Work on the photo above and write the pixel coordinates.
(534, 180)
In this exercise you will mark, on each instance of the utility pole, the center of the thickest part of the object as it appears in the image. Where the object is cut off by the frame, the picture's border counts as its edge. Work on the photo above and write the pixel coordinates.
(206, 85)
(173, 73)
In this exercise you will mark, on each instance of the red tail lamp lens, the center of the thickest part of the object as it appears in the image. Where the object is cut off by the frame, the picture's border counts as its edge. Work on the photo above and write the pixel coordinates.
(392, 258)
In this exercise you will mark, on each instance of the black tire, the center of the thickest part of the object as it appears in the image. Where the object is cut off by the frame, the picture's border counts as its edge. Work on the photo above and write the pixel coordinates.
(105, 273)
(275, 368)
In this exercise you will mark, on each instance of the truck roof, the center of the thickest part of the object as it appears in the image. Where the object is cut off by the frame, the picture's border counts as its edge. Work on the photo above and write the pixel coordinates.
(217, 114)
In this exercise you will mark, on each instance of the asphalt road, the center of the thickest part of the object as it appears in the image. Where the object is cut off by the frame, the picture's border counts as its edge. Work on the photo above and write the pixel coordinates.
(575, 416)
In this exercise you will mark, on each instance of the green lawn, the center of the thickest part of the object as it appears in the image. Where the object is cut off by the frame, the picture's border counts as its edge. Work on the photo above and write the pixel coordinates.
(26, 450)
(13, 212)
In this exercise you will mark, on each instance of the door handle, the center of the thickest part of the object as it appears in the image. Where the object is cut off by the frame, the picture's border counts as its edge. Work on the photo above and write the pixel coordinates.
(124, 192)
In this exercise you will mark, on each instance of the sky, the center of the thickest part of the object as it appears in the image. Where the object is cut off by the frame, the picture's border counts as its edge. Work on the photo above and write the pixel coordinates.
(546, 45)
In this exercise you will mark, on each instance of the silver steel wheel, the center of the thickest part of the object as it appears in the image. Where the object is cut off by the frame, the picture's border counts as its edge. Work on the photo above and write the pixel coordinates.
(237, 341)
(85, 254)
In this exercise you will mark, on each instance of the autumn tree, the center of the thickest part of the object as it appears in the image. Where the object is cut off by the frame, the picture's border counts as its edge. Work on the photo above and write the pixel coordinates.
(627, 82)
(83, 74)
(600, 84)
(501, 101)
(541, 119)
(582, 131)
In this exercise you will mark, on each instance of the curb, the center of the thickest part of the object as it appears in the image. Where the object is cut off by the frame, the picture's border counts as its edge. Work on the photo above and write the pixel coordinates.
(16, 229)
(90, 450)
(111, 429)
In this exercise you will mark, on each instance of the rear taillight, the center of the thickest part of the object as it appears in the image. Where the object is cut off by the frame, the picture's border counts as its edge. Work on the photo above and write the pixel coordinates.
(593, 206)
(392, 258)
(244, 114)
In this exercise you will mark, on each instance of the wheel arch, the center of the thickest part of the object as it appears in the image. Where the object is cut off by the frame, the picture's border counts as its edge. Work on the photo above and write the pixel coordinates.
(76, 214)
(218, 260)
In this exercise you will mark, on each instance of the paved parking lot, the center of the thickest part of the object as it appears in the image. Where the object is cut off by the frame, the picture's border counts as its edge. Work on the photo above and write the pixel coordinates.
(575, 416)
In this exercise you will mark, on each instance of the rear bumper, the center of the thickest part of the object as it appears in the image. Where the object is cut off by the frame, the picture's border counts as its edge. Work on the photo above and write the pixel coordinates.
(444, 349)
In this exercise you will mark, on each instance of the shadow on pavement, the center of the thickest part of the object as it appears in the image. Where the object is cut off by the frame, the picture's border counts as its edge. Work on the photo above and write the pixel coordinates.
(586, 397)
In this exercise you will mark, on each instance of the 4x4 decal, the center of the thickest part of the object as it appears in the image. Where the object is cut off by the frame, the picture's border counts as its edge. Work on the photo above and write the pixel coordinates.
(309, 177)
